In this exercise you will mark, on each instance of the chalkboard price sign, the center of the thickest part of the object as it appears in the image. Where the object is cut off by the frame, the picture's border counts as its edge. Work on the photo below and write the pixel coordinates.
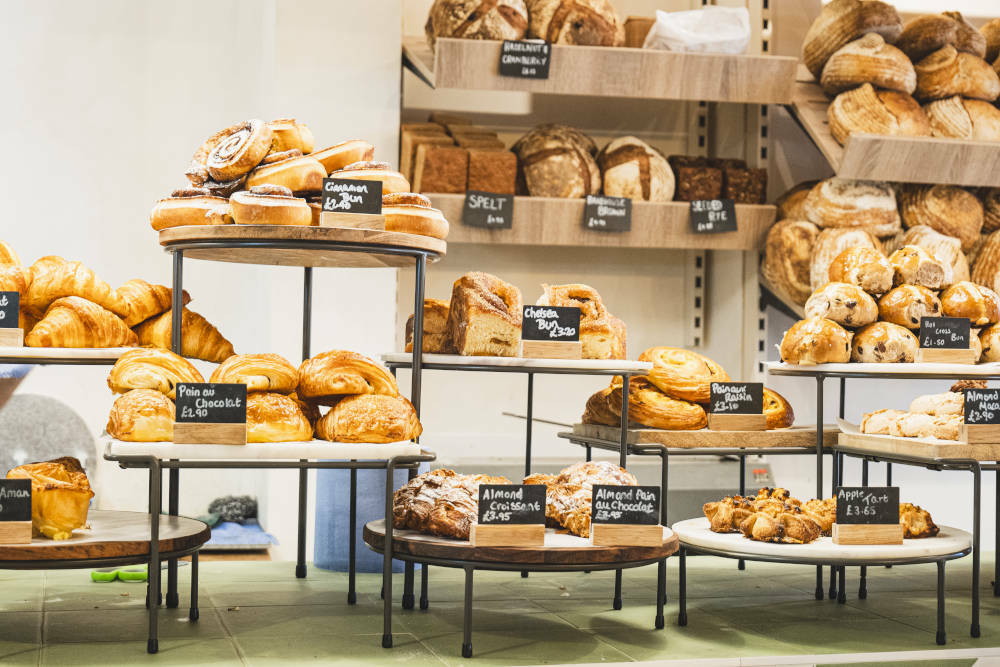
(211, 403)
(634, 505)
(511, 504)
(982, 406)
(868, 505)
(488, 209)
(525, 59)
(550, 323)
(10, 303)
(737, 398)
(945, 333)
(15, 500)
(712, 216)
(607, 214)
(344, 195)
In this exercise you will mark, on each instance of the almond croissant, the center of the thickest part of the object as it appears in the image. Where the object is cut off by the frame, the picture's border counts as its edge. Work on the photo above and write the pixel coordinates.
(199, 339)
(75, 322)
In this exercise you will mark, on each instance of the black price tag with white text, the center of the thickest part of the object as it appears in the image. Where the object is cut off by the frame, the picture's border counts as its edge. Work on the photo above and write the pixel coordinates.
(488, 209)
(736, 398)
(631, 505)
(511, 503)
(525, 59)
(712, 216)
(15, 500)
(607, 214)
(945, 333)
(867, 504)
(345, 195)
(211, 403)
(982, 406)
(550, 323)
(10, 303)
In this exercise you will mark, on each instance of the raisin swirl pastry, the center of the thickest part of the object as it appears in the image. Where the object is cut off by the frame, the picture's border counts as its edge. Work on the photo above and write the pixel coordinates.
(683, 374)
(650, 407)
(231, 153)
(846, 304)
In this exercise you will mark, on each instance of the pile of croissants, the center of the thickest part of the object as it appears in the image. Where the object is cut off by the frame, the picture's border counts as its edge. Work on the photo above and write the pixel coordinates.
(65, 304)
(283, 402)
(673, 395)
(880, 71)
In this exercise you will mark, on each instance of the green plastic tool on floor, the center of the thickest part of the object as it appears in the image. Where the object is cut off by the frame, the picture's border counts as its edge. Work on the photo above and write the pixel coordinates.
(109, 574)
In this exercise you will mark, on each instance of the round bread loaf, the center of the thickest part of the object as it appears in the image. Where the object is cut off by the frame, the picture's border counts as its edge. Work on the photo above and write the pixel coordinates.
(843, 21)
(787, 258)
(925, 34)
(868, 60)
(960, 118)
(581, 22)
(842, 202)
(555, 161)
(632, 168)
(475, 19)
(868, 111)
(847, 305)
(990, 198)
(865, 267)
(816, 340)
(948, 209)
(948, 72)
(906, 304)
(884, 343)
(790, 204)
(829, 244)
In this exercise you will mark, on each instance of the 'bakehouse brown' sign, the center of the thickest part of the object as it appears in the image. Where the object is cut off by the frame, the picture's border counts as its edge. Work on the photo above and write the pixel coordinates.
(525, 59)
(345, 195)
(631, 505)
(607, 214)
(9, 307)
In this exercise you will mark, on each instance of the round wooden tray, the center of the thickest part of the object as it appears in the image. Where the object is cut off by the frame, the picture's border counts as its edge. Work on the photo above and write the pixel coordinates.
(111, 535)
(560, 548)
(304, 246)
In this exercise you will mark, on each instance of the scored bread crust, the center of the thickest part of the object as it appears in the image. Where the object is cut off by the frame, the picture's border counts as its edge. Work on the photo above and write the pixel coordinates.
(868, 60)
(869, 111)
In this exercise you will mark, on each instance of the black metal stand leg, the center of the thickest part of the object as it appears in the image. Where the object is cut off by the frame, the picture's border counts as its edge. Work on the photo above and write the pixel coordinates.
(390, 468)
(842, 576)
(424, 601)
(863, 584)
(193, 613)
(941, 638)
(617, 602)
(307, 292)
(819, 468)
(741, 564)
(589, 455)
(661, 590)
(153, 572)
(622, 461)
(529, 417)
(682, 615)
(173, 505)
(300, 564)
(977, 487)
(408, 580)
(352, 547)
(664, 493)
(467, 619)
(417, 362)
(996, 537)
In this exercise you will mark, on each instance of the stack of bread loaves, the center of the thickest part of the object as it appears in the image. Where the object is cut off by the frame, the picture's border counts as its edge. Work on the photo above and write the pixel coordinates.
(933, 416)
(879, 72)
(283, 402)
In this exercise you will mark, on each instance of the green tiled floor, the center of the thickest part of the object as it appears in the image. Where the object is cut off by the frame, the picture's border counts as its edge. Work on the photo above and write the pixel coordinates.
(259, 614)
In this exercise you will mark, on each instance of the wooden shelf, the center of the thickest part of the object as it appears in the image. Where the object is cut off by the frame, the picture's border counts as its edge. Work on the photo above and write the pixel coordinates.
(545, 221)
(79, 356)
(895, 159)
(796, 436)
(471, 64)
(927, 448)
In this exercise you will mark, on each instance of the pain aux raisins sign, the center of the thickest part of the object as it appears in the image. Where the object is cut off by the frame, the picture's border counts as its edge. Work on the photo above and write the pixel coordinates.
(631, 505)
(211, 403)
(344, 195)
(737, 398)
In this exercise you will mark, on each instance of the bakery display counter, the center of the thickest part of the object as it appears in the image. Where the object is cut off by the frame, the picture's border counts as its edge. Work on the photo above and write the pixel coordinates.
(550, 221)
(472, 64)
(893, 158)
(117, 539)
(697, 538)
(68, 356)
(561, 552)
(903, 371)
(795, 436)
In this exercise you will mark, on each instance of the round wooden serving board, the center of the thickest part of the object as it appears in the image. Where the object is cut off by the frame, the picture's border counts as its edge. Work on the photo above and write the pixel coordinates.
(560, 548)
(111, 535)
(236, 238)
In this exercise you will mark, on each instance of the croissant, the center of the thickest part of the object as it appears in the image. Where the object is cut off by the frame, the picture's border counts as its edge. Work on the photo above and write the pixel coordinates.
(69, 279)
(370, 418)
(329, 375)
(275, 418)
(46, 264)
(683, 374)
(259, 372)
(151, 368)
(7, 254)
(199, 339)
(60, 496)
(142, 300)
(75, 322)
(142, 415)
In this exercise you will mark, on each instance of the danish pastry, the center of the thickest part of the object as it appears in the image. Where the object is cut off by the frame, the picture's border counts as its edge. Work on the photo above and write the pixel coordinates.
(777, 410)
(190, 206)
(142, 300)
(289, 134)
(788, 527)
(683, 374)
(912, 265)
(485, 316)
(960, 118)
(275, 418)
(884, 342)
(846, 304)
(412, 213)
(151, 368)
(649, 406)
(199, 338)
(270, 205)
(75, 322)
(841, 202)
(907, 304)
(327, 377)
(869, 111)
(787, 257)
(947, 72)
(865, 267)
(947, 209)
(339, 156)
(816, 340)
(842, 21)
(142, 415)
(376, 418)
(231, 153)
(259, 372)
(60, 496)
(602, 334)
(868, 60)
(435, 339)
(392, 181)
(302, 174)
(967, 299)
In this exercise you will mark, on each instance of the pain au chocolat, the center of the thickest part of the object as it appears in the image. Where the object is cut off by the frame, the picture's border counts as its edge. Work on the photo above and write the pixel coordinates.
(142, 415)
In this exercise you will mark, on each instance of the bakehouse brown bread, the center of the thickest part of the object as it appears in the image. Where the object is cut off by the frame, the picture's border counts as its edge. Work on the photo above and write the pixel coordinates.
(632, 168)
(476, 19)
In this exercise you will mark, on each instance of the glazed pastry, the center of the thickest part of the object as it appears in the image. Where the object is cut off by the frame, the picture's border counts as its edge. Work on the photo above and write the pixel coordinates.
(151, 368)
(907, 304)
(815, 340)
(199, 339)
(868, 60)
(412, 213)
(948, 72)
(270, 205)
(580, 22)
(259, 372)
(471, 19)
(302, 174)
(7, 254)
(884, 342)
(912, 265)
(632, 168)
(880, 421)
(392, 181)
(602, 334)
(69, 279)
(864, 110)
(846, 304)
(842, 21)
(309, 408)
(948, 403)
(791, 527)
(435, 339)
(598, 411)
(376, 418)
(60, 496)
(485, 316)
(865, 267)
(190, 206)
(683, 374)
(290, 134)
(967, 299)
(330, 375)
(75, 322)
(787, 257)
(841, 202)
(790, 203)
(142, 415)
(946, 249)
(829, 244)
(948, 209)
(556, 161)
(339, 156)
(777, 410)
(275, 418)
(649, 406)
(231, 153)
(960, 118)
(141, 300)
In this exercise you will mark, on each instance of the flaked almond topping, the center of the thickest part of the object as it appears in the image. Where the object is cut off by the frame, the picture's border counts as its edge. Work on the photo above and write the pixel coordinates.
(190, 192)
(271, 158)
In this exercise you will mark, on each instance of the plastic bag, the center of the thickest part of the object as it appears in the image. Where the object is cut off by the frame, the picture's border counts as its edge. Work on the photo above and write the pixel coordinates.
(707, 30)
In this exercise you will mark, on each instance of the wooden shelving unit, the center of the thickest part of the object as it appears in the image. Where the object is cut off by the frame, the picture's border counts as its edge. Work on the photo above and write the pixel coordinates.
(896, 159)
(549, 221)
(471, 64)
(796, 436)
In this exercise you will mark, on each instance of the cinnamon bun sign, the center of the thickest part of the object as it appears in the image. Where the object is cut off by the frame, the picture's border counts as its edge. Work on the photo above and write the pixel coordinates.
(343, 195)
